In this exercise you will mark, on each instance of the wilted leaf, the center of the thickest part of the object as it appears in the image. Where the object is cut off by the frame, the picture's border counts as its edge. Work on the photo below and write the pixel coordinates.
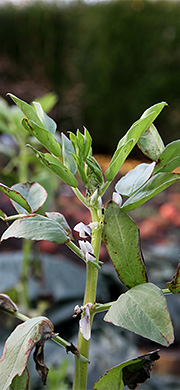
(169, 159)
(19, 345)
(152, 187)
(33, 193)
(151, 143)
(124, 245)
(174, 285)
(134, 179)
(7, 303)
(37, 227)
(143, 310)
(56, 166)
(21, 382)
(131, 373)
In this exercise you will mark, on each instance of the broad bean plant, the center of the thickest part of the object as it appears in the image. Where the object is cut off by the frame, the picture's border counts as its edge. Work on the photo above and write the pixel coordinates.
(142, 309)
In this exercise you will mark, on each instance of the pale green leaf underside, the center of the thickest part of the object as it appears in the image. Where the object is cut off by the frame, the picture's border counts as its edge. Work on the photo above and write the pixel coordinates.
(152, 187)
(18, 347)
(37, 227)
(16, 197)
(121, 237)
(143, 310)
(34, 194)
(134, 179)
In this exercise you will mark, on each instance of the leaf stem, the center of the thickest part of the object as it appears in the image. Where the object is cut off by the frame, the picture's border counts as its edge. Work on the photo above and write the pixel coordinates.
(57, 339)
(80, 196)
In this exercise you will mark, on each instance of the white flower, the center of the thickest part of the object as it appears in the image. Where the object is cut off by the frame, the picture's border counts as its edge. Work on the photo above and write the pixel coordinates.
(84, 323)
(82, 229)
(86, 247)
(117, 198)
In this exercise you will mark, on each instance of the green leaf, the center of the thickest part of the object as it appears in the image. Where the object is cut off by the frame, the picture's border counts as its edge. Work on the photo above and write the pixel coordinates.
(96, 169)
(47, 122)
(27, 109)
(19, 345)
(87, 143)
(118, 159)
(56, 166)
(37, 227)
(48, 101)
(43, 135)
(60, 219)
(130, 373)
(3, 216)
(21, 382)
(134, 179)
(174, 285)
(169, 159)
(153, 187)
(123, 245)
(151, 143)
(67, 154)
(140, 126)
(143, 310)
(34, 194)
(16, 197)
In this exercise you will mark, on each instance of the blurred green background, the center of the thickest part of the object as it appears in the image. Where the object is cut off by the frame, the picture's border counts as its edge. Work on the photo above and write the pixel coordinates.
(107, 62)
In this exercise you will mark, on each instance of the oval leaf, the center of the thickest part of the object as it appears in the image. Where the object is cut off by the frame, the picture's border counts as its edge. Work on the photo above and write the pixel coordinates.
(134, 179)
(123, 245)
(130, 373)
(43, 135)
(169, 159)
(37, 227)
(16, 197)
(143, 310)
(151, 143)
(153, 187)
(56, 166)
(34, 194)
(19, 345)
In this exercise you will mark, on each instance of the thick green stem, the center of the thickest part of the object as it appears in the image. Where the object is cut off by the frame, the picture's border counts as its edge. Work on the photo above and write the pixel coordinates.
(80, 377)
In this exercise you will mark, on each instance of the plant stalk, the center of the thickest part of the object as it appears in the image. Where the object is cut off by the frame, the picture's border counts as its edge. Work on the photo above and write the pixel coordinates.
(80, 376)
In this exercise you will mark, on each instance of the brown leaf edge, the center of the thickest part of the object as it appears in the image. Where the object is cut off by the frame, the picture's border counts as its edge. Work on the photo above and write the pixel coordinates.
(174, 285)
(139, 371)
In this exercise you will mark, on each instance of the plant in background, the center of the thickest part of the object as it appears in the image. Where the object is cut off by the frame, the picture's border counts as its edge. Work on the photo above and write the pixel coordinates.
(142, 309)
(17, 161)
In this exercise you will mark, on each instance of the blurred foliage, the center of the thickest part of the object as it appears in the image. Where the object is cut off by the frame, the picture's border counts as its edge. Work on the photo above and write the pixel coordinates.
(107, 62)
